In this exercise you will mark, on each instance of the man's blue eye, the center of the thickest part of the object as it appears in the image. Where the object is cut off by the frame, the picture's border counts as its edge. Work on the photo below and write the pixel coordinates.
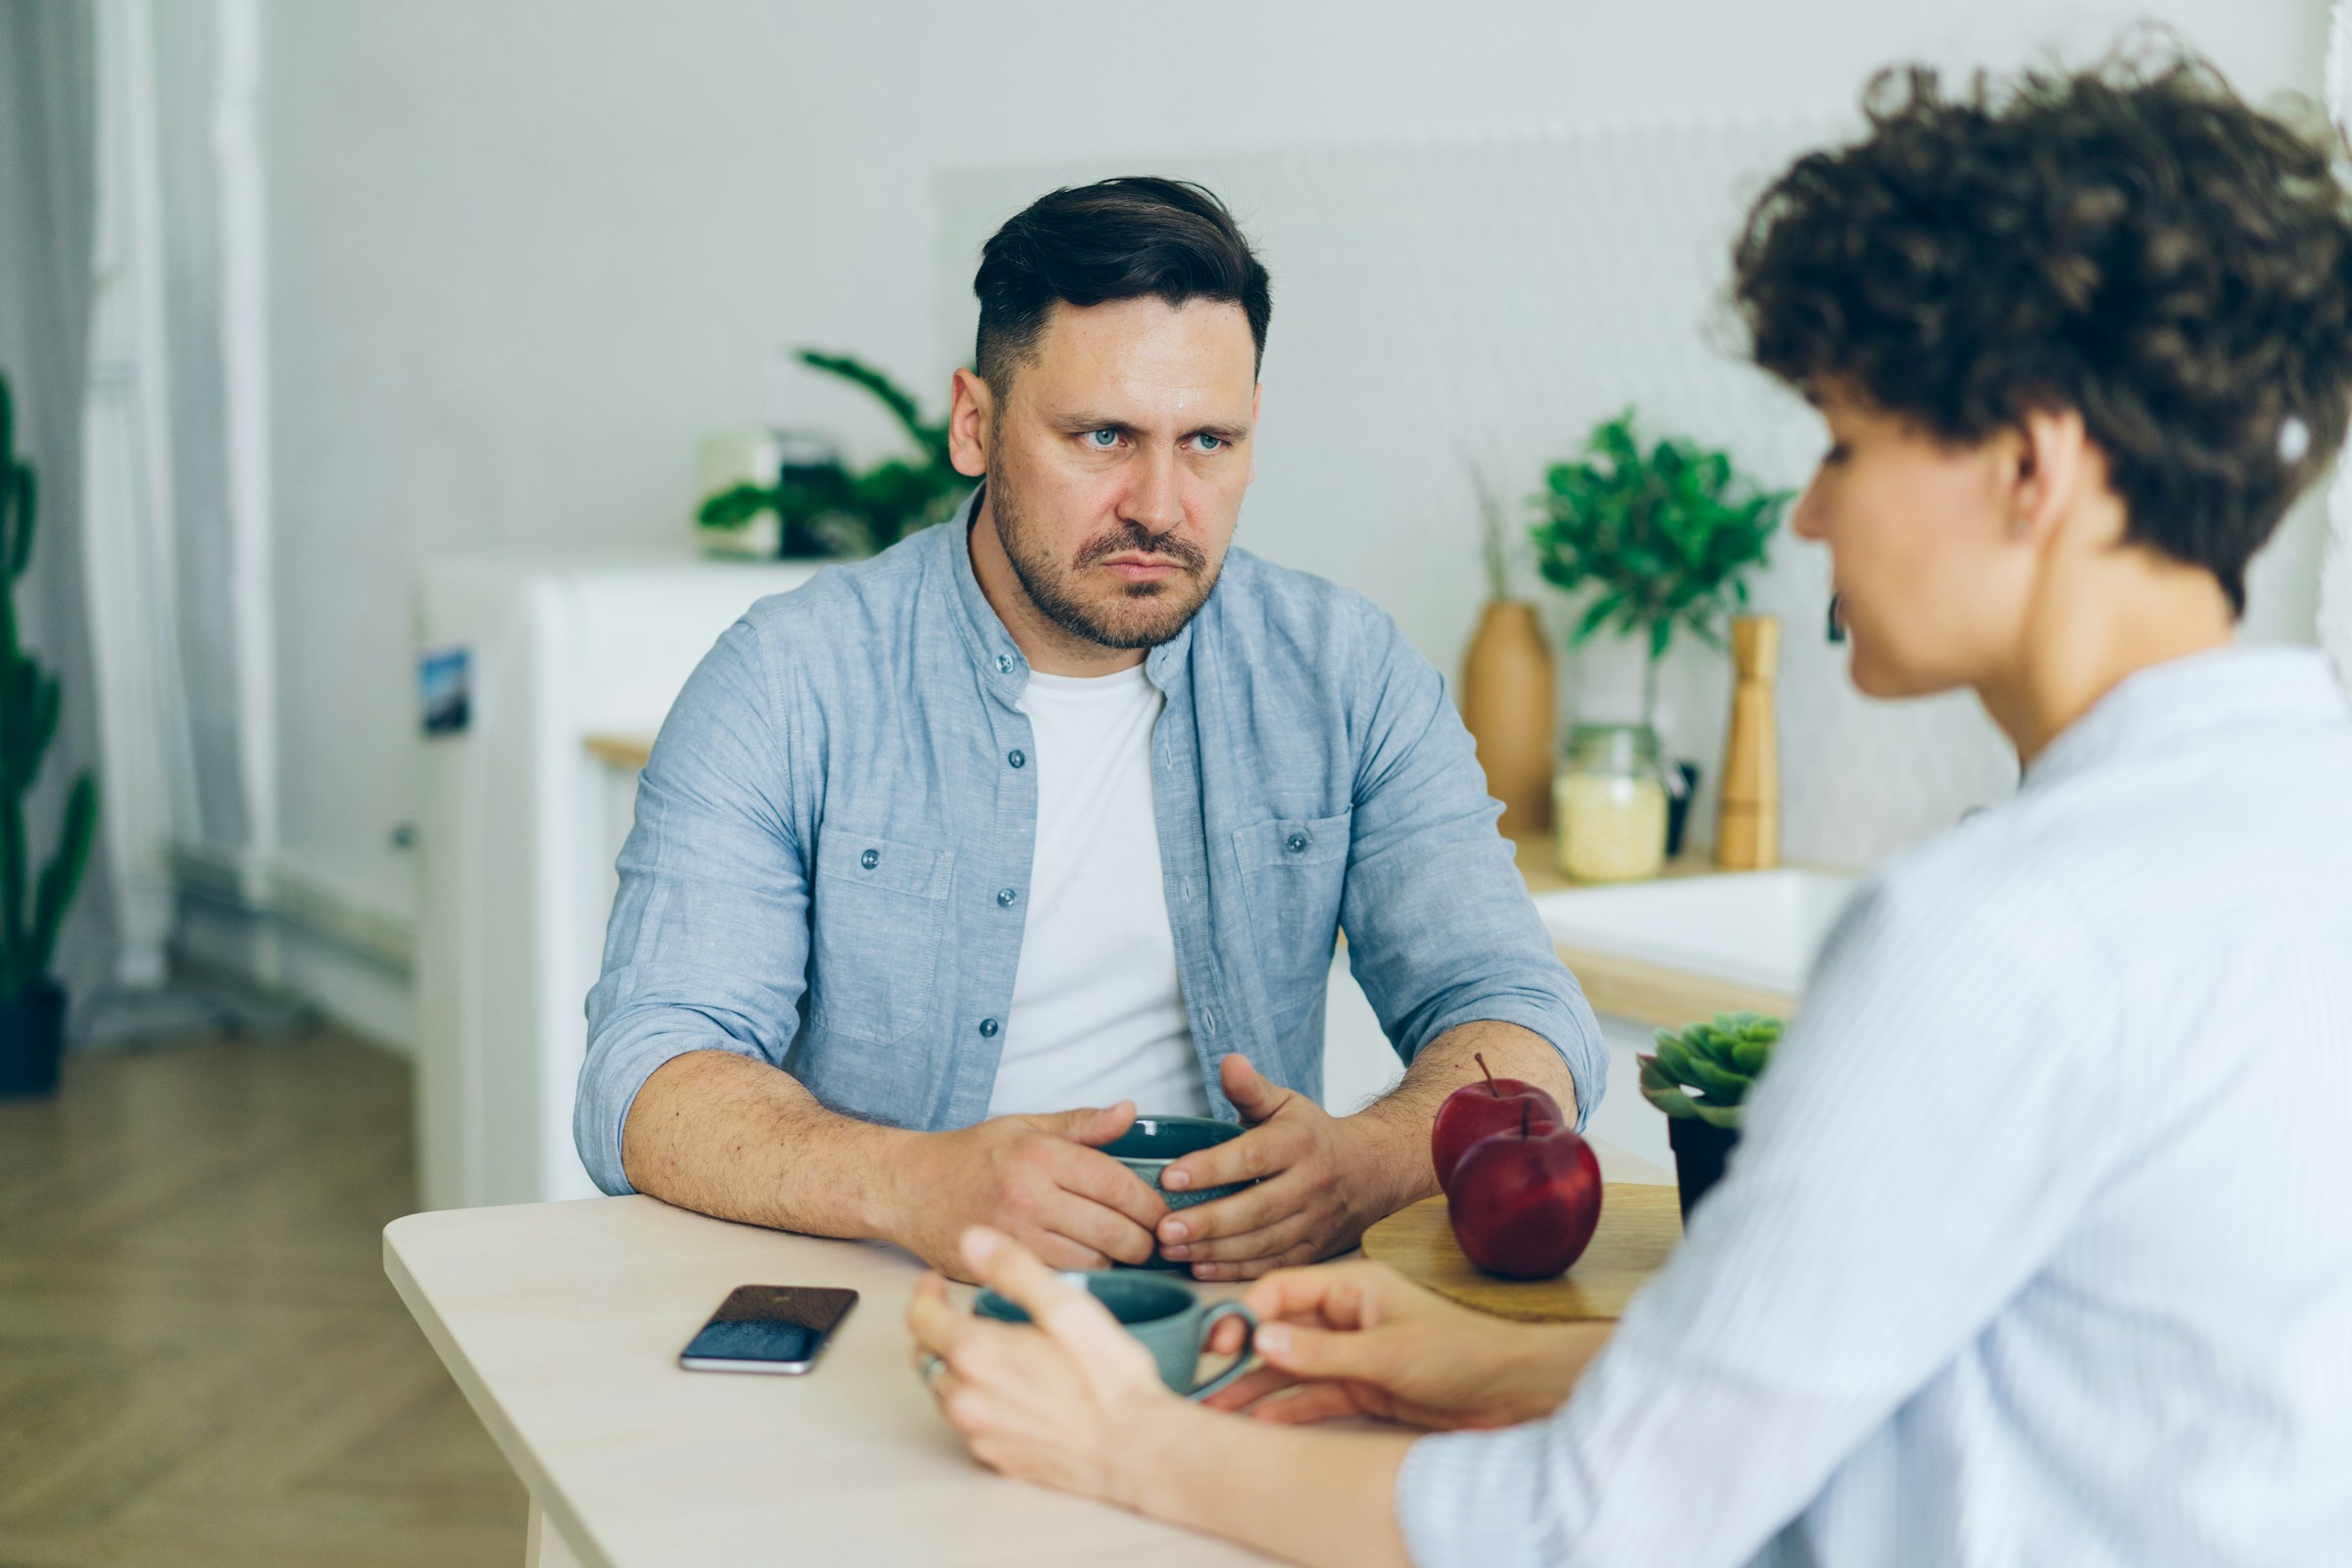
(1210, 443)
(1103, 439)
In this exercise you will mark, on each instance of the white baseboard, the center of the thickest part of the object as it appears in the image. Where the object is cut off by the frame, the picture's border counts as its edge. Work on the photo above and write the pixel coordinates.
(287, 934)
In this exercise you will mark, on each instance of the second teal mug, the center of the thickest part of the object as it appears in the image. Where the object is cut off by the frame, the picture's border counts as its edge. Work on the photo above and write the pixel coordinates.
(1166, 1315)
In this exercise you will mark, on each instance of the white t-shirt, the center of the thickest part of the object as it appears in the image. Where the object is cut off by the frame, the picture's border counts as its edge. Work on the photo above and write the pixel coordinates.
(1098, 1011)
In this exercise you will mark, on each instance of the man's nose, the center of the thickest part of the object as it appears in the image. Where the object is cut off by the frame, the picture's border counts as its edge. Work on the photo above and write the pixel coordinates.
(1151, 501)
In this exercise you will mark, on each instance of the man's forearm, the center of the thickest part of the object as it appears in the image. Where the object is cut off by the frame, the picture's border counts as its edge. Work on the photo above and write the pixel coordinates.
(722, 1134)
(1399, 1123)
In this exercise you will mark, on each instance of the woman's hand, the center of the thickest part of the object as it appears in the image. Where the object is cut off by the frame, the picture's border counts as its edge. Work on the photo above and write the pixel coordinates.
(1358, 1339)
(1064, 1399)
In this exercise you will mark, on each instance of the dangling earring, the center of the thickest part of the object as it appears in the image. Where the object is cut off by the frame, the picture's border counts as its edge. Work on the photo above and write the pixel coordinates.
(2019, 527)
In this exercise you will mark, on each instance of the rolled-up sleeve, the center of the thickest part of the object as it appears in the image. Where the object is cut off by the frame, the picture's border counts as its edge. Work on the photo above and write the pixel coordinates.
(1440, 931)
(707, 948)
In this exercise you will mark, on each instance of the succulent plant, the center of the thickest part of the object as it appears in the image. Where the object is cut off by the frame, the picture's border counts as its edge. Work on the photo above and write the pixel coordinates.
(1706, 1069)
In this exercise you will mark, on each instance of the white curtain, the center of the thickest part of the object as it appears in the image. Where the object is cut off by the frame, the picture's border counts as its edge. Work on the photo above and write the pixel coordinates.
(178, 545)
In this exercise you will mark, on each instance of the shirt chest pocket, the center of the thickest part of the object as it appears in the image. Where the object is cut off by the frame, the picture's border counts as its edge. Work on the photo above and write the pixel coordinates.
(877, 918)
(1293, 870)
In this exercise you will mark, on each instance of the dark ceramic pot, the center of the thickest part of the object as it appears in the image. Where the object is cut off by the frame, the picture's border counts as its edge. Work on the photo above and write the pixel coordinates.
(1700, 1151)
(32, 1038)
(1682, 788)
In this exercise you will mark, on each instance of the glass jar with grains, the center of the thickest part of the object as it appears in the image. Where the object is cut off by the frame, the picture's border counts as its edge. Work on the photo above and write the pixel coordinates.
(1609, 805)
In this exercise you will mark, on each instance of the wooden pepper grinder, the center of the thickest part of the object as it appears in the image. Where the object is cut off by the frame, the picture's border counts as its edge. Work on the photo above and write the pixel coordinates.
(1747, 831)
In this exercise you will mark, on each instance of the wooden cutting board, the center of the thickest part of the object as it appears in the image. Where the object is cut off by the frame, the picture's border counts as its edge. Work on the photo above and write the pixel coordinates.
(1639, 1223)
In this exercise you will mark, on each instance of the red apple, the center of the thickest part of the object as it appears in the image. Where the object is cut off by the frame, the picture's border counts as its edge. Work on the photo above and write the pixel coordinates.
(1524, 1203)
(1474, 1110)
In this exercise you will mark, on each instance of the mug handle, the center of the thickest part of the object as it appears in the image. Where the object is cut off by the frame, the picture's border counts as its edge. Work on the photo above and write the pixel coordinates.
(1208, 1322)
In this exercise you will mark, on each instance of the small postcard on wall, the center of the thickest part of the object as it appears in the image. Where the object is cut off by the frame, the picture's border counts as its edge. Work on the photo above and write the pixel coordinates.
(444, 689)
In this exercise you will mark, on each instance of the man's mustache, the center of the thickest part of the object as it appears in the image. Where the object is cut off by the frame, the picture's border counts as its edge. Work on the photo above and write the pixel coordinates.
(1140, 540)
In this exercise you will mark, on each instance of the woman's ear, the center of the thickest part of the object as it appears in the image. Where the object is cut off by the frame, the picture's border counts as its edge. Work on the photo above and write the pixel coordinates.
(2048, 472)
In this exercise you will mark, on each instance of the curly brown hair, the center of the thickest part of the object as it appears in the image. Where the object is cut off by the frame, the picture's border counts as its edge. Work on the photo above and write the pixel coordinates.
(2133, 243)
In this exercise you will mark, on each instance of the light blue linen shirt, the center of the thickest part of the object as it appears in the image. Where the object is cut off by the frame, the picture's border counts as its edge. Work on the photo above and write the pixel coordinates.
(2038, 1246)
(830, 863)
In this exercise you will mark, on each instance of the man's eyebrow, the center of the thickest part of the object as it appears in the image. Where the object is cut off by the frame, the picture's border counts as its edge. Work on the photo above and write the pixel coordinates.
(1223, 432)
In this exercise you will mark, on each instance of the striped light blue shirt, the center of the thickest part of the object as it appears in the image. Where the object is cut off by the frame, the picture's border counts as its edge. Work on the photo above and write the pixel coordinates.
(2038, 1245)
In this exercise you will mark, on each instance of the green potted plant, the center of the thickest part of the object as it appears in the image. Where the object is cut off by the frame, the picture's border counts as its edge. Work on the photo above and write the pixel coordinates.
(32, 1004)
(1662, 538)
(1699, 1078)
(825, 508)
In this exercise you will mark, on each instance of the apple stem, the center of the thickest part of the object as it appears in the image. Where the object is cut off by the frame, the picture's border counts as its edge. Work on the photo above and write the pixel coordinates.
(1527, 1108)
(1481, 1059)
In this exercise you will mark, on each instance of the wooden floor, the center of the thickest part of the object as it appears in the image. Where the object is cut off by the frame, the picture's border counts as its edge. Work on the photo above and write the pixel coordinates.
(201, 1361)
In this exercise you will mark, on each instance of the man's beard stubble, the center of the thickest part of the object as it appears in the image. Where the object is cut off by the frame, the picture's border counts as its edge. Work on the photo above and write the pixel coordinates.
(1144, 616)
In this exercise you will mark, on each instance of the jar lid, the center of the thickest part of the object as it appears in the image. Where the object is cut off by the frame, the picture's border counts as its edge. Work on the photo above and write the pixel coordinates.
(1614, 748)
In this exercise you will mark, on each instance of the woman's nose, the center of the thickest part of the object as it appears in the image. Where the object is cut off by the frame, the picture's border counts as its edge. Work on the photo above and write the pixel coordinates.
(1806, 520)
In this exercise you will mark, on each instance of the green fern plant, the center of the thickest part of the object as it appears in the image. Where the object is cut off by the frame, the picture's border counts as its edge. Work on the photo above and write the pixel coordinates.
(29, 705)
(1665, 536)
(862, 513)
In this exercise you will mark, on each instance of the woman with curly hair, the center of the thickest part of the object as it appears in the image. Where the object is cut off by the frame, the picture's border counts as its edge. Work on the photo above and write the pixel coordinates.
(2038, 1243)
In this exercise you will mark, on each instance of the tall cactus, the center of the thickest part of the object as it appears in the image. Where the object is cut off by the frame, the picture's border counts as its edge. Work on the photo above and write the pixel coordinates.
(29, 712)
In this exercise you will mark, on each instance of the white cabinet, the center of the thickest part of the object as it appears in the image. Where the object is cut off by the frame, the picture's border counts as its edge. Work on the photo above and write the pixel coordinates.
(517, 841)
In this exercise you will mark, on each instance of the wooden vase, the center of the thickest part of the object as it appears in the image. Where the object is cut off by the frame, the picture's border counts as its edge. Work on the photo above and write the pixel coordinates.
(1509, 698)
(1748, 828)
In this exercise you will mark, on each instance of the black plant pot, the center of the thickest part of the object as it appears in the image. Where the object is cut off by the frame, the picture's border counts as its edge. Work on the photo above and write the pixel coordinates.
(1682, 788)
(1700, 1151)
(32, 1039)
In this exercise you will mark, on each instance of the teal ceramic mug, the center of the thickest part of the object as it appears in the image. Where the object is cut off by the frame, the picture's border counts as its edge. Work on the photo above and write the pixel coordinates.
(1170, 1319)
(1154, 1143)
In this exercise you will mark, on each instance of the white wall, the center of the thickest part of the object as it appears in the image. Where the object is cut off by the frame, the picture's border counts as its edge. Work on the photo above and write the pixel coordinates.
(522, 254)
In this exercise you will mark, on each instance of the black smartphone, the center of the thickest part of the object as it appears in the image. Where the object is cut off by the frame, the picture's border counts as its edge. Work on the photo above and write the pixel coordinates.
(767, 1328)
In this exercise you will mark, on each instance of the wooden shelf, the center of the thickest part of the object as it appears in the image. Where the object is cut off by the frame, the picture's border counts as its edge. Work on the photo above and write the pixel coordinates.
(621, 750)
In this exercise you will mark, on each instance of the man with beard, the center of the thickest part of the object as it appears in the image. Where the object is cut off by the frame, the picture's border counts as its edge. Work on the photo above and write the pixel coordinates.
(950, 863)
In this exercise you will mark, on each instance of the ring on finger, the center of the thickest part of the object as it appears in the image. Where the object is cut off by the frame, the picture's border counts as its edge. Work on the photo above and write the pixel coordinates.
(930, 1366)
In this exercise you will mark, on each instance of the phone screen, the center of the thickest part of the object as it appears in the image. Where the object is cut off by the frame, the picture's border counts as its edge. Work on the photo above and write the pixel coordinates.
(767, 1328)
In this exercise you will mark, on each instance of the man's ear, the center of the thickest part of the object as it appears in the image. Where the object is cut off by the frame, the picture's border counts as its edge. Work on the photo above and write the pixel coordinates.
(971, 417)
(2051, 470)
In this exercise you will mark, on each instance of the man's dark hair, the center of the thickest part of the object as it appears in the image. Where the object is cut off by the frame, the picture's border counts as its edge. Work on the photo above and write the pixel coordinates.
(2134, 243)
(1118, 239)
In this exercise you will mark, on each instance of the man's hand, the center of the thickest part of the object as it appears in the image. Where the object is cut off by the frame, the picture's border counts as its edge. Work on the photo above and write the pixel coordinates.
(1321, 1182)
(1040, 1178)
(1357, 1338)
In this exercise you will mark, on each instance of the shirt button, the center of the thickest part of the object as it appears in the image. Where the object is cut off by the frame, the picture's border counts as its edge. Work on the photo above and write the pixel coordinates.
(988, 1028)
(1005, 896)
(1017, 758)
(1295, 844)
(1208, 1019)
(1184, 889)
(870, 858)
(1003, 664)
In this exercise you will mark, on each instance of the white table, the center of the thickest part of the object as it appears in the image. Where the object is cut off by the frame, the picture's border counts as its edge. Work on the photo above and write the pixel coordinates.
(562, 1323)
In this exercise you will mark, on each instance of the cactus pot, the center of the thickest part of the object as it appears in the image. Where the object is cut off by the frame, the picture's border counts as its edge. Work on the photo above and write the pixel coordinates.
(32, 1038)
(1700, 1151)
